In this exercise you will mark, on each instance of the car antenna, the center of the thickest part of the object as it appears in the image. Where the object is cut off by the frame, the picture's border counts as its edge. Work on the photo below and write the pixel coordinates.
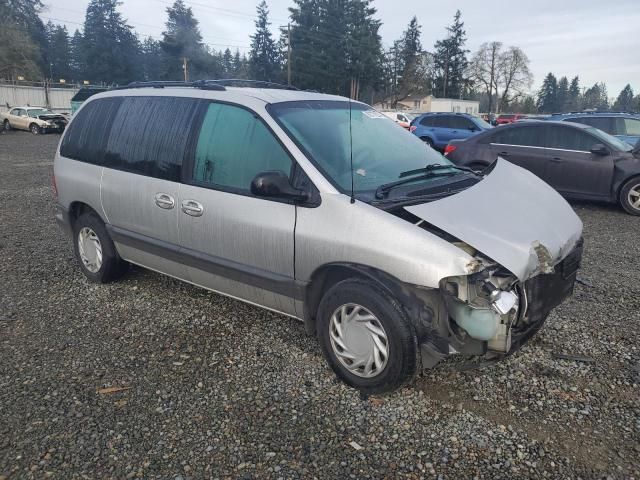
(353, 198)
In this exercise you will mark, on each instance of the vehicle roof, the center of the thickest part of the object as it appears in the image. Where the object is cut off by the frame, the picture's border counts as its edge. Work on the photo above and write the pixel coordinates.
(267, 95)
(594, 114)
(30, 108)
(535, 121)
(462, 114)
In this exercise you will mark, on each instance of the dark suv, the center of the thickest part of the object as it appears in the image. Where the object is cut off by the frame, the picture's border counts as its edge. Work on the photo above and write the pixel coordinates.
(438, 129)
(625, 126)
(577, 160)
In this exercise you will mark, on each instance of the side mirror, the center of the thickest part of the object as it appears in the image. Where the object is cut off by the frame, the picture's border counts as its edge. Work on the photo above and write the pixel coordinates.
(275, 184)
(600, 149)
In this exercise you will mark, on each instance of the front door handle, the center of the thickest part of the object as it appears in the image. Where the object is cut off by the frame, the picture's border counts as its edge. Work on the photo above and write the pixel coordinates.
(504, 154)
(166, 201)
(193, 208)
(556, 160)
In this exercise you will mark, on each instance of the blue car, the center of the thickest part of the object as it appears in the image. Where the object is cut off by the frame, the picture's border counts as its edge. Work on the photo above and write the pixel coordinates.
(625, 126)
(438, 129)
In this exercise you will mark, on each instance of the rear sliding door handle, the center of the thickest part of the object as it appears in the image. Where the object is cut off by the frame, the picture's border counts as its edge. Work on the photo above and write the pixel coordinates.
(164, 200)
(193, 208)
(556, 160)
(504, 154)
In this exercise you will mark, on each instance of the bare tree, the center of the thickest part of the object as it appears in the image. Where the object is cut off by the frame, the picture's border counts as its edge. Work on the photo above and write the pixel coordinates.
(483, 69)
(516, 77)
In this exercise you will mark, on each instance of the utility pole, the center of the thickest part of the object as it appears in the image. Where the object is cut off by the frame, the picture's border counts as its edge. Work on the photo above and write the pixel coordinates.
(288, 54)
(185, 69)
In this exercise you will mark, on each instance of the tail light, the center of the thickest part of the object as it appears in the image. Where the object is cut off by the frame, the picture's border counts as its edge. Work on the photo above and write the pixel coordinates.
(412, 128)
(449, 148)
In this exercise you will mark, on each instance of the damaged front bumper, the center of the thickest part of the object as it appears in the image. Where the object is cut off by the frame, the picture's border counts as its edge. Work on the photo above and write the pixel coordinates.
(492, 313)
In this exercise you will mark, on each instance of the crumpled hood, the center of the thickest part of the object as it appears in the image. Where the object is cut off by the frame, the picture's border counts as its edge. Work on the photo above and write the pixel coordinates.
(512, 217)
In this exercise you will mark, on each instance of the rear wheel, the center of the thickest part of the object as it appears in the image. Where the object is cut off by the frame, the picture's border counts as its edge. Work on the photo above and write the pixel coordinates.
(629, 197)
(95, 251)
(366, 337)
(35, 129)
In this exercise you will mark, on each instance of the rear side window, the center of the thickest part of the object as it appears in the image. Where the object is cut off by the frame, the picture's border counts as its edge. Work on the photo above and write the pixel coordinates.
(522, 136)
(567, 138)
(87, 135)
(603, 123)
(632, 127)
(233, 147)
(150, 135)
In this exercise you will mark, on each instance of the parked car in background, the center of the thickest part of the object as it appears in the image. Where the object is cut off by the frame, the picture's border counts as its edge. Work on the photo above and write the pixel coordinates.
(579, 161)
(507, 118)
(401, 118)
(625, 126)
(438, 129)
(34, 119)
(321, 209)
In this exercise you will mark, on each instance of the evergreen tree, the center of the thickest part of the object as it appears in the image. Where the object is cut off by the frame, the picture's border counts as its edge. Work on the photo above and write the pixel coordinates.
(263, 57)
(573, 101)
(624, 102)
(151, 59)
(228, 64)
(110, 49)
(562, 97)
(595, 98)
(58, 53)
(548, 95)
(335, 45)
(23, 38)
(182, 40)
(450, 59)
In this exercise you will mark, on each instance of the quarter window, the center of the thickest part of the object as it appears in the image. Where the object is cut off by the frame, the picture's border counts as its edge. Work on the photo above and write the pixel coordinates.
(233, 147)
(87, 135)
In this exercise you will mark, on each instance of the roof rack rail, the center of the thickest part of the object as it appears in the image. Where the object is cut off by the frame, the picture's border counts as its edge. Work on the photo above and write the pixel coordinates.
(242, 82)
(170, 83)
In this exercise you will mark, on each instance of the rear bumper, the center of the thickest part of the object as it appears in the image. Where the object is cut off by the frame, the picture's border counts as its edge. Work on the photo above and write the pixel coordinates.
(63, 219)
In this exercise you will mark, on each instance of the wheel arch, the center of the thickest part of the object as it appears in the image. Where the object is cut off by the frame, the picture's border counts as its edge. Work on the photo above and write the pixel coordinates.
(422, 305)
(78, 208)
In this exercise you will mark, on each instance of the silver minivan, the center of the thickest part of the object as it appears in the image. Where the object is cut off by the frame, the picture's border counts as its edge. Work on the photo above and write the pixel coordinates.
(322, 209)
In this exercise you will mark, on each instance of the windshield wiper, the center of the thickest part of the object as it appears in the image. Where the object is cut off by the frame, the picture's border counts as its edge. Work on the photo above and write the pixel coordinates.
(385, 187)
(434, 167)
(429, 171)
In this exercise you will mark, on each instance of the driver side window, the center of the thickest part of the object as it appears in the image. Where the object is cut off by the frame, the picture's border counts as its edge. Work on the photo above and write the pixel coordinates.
(233, 147)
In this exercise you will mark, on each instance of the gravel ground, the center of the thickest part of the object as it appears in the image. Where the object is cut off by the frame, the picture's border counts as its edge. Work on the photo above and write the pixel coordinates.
(218, 389)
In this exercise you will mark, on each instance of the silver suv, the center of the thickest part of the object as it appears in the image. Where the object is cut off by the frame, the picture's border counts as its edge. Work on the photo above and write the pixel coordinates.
(322, 209)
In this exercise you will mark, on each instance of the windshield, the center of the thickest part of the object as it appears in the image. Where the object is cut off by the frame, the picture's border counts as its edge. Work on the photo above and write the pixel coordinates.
(614, 142)
(34, 112)
(382, 150)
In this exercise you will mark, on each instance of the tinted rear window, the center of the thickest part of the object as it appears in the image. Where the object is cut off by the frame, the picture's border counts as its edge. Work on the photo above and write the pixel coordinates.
(87, 136)
(524, 136)
(150, 135)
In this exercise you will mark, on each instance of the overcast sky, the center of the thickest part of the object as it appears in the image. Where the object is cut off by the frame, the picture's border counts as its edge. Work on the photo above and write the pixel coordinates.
(595, 39)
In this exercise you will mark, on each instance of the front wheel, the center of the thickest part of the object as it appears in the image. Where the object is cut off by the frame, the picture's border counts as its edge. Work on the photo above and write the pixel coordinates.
(35, 129)
(95, 251)
(428, 141)
(629, 197)
(7, 125)
(366, 337)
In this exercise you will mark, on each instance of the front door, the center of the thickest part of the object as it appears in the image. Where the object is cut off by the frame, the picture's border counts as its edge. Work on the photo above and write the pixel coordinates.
(573, 169)
(233, 242)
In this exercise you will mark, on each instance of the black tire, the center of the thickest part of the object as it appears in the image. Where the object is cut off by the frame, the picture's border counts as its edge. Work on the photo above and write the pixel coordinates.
(35, 129)
(627, 199)
(477, 166)
(428, 141)
(402, 361)
(7, 126)
(112, 266)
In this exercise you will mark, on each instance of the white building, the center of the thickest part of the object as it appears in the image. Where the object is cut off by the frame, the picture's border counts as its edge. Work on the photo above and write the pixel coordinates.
(429, 103)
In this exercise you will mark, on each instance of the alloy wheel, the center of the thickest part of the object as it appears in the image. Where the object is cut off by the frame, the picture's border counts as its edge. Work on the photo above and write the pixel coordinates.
(634, 196)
